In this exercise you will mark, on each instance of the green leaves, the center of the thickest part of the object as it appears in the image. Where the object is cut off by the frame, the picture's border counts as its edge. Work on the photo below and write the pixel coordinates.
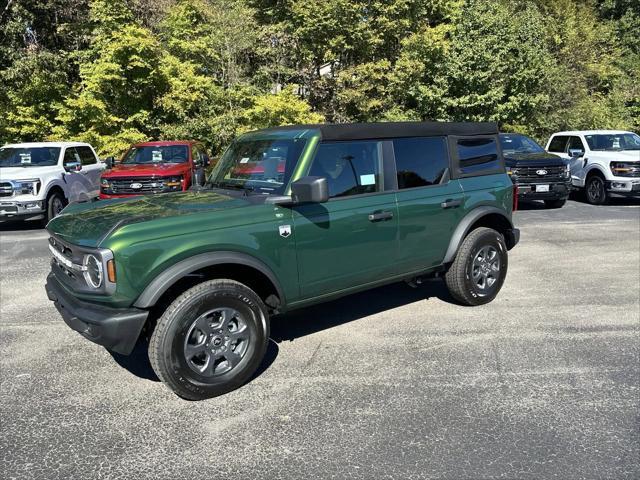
(116, 71)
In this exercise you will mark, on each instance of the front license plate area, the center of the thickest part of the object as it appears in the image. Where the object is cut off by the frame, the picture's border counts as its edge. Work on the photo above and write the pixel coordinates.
(542, 188)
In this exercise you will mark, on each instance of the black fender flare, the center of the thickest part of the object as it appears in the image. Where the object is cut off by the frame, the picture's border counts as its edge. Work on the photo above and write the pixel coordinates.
(171, 275)
(465, 225)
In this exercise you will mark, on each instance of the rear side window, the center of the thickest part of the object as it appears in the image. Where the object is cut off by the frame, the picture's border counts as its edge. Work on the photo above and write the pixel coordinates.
(420, 162)
(478, 156)
(558, 144)
(351, 168)
(86, 156)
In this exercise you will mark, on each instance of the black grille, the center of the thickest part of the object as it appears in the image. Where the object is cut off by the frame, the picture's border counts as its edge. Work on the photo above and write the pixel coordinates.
(539, 174)
(625, 169)
(141, 185)
(6, 189)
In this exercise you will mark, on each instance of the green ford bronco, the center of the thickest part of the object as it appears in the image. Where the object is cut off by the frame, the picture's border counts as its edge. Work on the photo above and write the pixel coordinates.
(289, 217)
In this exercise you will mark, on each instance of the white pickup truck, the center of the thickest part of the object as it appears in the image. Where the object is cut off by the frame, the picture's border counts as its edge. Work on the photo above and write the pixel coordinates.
(39, 179)
(603, 162)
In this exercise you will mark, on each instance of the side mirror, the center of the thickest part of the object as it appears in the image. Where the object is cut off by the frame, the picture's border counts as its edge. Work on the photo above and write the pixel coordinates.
(310, 190)
(71, 167)
(576, 153)
(109, 162)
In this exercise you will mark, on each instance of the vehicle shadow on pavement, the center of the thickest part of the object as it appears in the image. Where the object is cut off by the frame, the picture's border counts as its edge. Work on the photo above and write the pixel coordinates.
(20, 226)
(306, 321)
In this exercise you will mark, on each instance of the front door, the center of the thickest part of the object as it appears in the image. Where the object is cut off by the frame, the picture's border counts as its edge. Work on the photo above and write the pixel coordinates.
(350, 240)
(576, 163)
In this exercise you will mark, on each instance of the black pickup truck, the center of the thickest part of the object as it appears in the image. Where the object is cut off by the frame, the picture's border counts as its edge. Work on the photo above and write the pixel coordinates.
(539, 175)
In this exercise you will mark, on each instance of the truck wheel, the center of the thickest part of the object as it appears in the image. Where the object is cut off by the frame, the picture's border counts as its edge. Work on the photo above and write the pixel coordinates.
(210, 340)
(595, 190)
(479, 269)
(558, 203)
(54, 204)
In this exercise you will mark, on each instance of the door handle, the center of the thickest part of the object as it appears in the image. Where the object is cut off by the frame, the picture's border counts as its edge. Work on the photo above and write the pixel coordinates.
(380, 216)
(450, 203)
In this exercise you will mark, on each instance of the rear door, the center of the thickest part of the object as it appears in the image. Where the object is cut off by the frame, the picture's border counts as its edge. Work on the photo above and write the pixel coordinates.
(429, 202)
(350, 240)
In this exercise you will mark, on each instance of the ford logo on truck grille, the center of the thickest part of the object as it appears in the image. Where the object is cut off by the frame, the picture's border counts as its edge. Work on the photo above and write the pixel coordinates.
(541, 172)
(136, 186)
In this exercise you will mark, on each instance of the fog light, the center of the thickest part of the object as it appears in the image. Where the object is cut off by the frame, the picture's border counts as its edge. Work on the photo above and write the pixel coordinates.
(32, 205)
(618, 185)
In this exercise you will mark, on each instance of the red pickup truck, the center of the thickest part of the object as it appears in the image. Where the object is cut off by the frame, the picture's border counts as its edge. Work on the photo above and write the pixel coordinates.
(153, 167)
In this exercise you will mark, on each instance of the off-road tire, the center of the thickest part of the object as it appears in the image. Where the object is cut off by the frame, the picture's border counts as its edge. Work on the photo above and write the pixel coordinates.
(595, 190)
(167, 350)
(558, 203)
(52, 205)
(459, 276)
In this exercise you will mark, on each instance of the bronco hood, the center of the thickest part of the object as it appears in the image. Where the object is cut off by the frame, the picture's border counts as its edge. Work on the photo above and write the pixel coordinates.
(88, 224)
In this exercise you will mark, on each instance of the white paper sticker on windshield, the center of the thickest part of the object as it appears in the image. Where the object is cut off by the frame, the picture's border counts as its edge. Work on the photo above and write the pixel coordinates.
(156, 155)
(369, 179)
(25, 158)
(244, 160)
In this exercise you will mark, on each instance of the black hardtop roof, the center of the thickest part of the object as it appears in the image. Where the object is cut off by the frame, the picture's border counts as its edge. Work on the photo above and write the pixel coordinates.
(366, 131)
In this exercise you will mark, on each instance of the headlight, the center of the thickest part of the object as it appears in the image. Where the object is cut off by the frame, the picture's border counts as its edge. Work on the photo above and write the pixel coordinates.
(172, 184)
(27, 187)
(567, 170)
(93, 273)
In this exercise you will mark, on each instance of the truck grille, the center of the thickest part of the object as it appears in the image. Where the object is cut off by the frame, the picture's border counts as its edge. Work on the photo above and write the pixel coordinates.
(6, 189)
(136, 185)
(538, 174)
(625, 169)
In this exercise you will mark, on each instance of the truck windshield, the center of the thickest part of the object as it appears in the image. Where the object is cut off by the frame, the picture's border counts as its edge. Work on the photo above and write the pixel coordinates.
(519, 144)
(613, 141)
(29, 157)
(262, 165)
(150, 154)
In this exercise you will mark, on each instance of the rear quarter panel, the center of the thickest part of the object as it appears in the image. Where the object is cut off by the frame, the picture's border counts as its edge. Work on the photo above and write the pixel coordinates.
(491, 190)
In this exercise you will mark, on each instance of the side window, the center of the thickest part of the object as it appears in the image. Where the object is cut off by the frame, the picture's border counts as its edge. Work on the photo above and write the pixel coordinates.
(558, 144)
(351, 168)
(420, 162)
(575, 143)
(71, 156)
(478, 156)
(86, 156)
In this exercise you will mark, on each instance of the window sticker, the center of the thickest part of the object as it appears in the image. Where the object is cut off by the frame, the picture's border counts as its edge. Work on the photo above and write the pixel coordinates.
(369, 179)
(156, 155)
(244, 160)
(25, 158)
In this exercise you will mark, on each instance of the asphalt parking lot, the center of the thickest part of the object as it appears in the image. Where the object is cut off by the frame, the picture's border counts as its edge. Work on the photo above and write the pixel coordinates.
(394, 383)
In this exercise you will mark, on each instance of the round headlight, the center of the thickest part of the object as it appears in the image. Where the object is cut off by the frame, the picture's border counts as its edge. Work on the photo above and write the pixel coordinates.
(93, 274)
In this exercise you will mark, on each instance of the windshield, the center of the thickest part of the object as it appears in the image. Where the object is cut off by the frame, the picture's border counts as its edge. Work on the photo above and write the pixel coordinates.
(29, 157)
(613, 141)
(263, 165)
(519, 144)
(150, 155)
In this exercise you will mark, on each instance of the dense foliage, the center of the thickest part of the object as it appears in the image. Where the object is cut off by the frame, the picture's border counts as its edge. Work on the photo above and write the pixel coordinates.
(116, 71)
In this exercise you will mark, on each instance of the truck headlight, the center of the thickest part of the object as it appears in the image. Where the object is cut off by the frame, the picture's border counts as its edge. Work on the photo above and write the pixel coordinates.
(172, 184)
(567, 170)
(93, 272)
(27, 187)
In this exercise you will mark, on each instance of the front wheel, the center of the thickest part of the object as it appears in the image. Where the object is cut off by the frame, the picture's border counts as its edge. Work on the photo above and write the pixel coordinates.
(54, 204)
(479, 269)
(595, 190)
(210, 340)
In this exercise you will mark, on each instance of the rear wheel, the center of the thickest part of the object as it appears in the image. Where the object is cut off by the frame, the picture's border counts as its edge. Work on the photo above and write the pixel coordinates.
(476, 275)
(558, 203)
(595, 190)
(210, 340)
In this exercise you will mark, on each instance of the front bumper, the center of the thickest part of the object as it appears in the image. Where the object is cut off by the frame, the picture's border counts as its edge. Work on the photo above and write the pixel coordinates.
(624, 187)
(117, 329)
(533, 191)
(10, 209)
